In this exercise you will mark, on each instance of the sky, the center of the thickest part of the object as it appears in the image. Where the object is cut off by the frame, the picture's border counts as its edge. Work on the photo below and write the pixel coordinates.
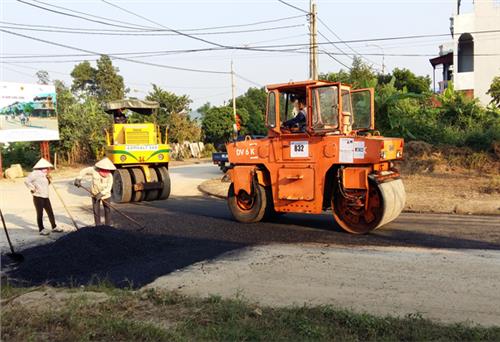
(349, 20)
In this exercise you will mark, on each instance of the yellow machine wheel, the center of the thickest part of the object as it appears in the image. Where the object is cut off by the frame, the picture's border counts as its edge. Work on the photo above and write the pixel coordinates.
(122, 186)
(152, 195)
(163, 176)
(137, 177)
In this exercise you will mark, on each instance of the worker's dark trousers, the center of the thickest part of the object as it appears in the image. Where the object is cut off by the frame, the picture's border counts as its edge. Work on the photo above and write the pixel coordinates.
(41, 204)
(96, 206)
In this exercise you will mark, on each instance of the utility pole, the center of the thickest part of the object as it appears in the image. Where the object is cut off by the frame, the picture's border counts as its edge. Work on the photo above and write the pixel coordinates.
(233, 91)
(313, 45)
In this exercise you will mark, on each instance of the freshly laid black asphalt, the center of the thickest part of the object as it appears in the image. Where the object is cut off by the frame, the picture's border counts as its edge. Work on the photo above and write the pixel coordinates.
(103, 253)
(184, 230)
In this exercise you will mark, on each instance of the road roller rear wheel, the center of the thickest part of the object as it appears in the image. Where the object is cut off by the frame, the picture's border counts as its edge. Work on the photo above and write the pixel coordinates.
(122, 186)
(164, 177)
(152, 195)
(245, 207)
(386, 201)
(137, 177)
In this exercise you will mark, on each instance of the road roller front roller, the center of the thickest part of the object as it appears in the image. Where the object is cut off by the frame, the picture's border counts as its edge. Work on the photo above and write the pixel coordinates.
(139, 153)
(322, 152)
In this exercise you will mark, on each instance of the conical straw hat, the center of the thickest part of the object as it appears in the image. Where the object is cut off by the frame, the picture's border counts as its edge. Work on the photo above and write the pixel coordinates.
(42, 164)
(105, 164)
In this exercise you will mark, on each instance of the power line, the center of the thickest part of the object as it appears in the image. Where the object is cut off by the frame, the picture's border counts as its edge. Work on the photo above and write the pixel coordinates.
(247, 80)
(136, 33)
(107, 23)
(338, 37)
(161, 25)
(335, 46)
(421, 36)
(160, 54)
(243, 25)
(294, 7)
(116, 57)
(336, 60)
(154, 29)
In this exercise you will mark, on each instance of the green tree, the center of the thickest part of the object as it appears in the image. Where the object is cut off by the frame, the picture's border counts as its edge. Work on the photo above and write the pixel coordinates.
(217, 125)
(494, 92)
(182, 128)
(251, 108)
(28, 108)
(109, 84)
(360, 75)
(43, 77)
(413, 83)
(82, 126)
(103, 82)
(84, 79)
(204, 108)
(173, 114)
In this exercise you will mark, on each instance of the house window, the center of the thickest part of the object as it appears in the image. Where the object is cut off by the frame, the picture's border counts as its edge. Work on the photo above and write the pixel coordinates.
(465, 53)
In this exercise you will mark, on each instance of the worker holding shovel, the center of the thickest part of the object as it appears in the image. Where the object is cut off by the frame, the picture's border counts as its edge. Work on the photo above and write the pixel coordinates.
(38, 182)
(102, 183)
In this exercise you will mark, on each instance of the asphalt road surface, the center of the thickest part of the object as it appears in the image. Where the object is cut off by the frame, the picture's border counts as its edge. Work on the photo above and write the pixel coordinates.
(188, 213)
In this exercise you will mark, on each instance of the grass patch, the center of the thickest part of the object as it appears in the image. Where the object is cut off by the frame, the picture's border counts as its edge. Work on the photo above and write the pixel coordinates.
(166, 316)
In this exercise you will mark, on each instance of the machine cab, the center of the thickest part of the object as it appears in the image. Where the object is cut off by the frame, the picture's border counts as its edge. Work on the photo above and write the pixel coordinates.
(125, 133)
(329, 108)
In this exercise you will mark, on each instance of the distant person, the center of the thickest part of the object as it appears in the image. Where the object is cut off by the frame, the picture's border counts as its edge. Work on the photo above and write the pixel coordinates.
(300, 119)
(22, 118)
(38, 182)
(102, 183)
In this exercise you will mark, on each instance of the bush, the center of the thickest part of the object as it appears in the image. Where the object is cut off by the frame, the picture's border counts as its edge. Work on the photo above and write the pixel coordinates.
(208, 150)
(457, 121)
(24, 153)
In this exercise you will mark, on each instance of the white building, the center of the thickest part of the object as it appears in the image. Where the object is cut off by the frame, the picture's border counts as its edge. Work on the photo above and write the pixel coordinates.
(472, 59)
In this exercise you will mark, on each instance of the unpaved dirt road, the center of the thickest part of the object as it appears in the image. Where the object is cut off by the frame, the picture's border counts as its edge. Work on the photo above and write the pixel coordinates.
(446, 267)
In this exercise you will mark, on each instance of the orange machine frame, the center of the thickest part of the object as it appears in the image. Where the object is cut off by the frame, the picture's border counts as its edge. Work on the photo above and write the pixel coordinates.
(299, 167)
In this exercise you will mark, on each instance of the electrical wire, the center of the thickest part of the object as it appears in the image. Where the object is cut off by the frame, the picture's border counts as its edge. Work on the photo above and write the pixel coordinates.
(338, 37)
(294, 7)
(247, 80)
(336, 60)
(161, 25)
(136, 33)
(154, 29)
(116, 57)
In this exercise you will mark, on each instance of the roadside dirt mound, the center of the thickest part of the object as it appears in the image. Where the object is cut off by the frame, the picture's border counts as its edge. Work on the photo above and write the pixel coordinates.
(421, 157)
(52, 299)
(123, 258)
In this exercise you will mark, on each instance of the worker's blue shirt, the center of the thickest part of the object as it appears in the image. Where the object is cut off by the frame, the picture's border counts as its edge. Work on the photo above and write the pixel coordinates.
(299, 119)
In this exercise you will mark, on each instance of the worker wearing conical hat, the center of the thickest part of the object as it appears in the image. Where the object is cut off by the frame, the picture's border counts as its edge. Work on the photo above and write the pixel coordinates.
(38, 182)
(101, 184)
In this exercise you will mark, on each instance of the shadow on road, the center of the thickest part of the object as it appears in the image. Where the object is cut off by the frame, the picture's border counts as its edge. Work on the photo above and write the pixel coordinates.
(124, 258)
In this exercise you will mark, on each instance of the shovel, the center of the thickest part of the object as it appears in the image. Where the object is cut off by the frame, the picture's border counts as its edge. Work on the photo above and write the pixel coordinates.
(17, 257)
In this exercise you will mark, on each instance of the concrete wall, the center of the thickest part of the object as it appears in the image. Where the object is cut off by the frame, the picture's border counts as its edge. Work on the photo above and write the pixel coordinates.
(486, 16)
